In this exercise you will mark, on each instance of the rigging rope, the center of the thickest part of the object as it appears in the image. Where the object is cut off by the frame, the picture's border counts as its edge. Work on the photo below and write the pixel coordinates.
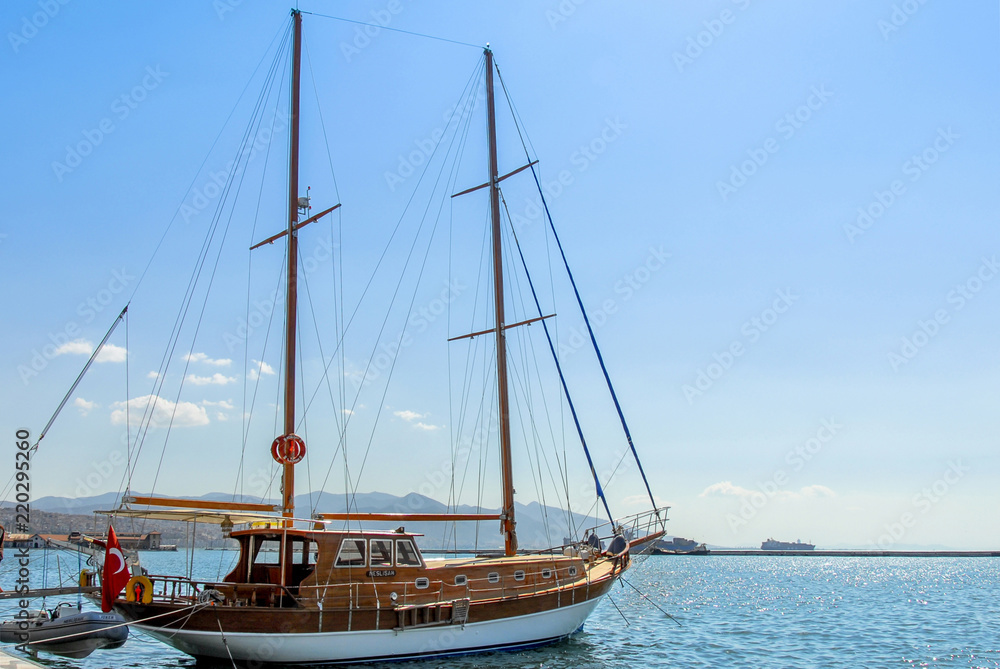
(579, 300)
(562, 379)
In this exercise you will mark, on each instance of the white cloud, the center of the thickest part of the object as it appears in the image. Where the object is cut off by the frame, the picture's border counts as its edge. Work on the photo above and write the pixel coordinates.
(153, 375)
(729, 489)
(112, 353)
(84, 406)
(408, 415)
(260, 368)
(222, 404)
(185, 414)
(725, 488)
(214, 380)
(425, 426)
(75, 347)
(347, 412)
(201, 357)
(817, 491)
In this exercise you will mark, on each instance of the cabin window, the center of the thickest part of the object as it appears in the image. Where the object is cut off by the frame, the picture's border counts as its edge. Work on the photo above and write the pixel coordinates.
(493, 577)
(571, 571)
(519, 575)
(311, 555)
(422, 583)
(352, 553)
(269, 552)
(381, 553)
(406, 554)
(461, 579)
(546, 573)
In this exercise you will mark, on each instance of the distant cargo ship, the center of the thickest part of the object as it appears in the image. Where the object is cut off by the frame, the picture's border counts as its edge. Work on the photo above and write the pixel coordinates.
(679, 546)
(772, 545)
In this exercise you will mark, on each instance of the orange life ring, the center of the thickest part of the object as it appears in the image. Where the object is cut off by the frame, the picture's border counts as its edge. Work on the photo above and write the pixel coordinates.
(288, 449)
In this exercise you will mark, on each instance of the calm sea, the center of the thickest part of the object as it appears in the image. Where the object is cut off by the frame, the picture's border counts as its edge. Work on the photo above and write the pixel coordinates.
(733, 612)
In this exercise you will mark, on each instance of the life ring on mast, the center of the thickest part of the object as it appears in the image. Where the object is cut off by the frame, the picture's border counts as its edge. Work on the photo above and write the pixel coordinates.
(288, 449)
(139, 589)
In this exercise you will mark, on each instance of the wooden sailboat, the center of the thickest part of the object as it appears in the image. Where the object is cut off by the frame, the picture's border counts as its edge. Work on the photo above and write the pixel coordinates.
(301, 593)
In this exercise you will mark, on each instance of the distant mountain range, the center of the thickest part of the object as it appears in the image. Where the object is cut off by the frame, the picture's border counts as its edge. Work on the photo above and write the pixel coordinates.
(537, 526)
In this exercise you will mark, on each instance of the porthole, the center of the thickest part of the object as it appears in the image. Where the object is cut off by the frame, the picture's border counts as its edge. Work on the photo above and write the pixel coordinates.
(546, 573)
(422, 583)
(571, 571)
(493, 577)
(461, 579)
(519, 575)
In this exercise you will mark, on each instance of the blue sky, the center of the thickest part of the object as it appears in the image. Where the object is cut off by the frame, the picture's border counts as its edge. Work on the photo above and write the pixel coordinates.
(783, 217)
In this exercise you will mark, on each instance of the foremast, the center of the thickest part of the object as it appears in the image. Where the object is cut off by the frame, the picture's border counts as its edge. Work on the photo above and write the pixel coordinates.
(291, 301)
(506, 469)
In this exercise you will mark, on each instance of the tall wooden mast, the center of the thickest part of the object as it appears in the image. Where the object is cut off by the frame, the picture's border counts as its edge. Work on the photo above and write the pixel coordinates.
(288, 469)
(507, 479)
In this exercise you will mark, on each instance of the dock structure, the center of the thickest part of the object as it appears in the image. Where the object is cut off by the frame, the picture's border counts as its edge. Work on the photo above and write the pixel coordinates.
(8, 661)
(858, 553)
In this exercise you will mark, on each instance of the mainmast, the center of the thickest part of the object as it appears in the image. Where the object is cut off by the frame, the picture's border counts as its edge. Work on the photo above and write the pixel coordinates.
(288, 468)
(506, 470)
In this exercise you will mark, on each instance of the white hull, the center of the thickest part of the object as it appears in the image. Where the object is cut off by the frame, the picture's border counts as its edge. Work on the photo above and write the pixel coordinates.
(331, 647)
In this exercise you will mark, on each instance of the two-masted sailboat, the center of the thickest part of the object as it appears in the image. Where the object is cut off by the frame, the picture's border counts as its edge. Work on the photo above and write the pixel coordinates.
(302, 593)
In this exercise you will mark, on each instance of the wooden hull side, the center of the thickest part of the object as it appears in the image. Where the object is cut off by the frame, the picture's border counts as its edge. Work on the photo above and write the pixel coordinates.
(516, 632)
(307, 634)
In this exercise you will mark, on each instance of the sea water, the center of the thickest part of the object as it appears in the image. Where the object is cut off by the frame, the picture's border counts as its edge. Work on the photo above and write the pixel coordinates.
(725, 611)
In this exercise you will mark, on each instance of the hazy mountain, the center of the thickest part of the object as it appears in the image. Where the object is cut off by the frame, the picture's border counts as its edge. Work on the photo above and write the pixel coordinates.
(532, 529)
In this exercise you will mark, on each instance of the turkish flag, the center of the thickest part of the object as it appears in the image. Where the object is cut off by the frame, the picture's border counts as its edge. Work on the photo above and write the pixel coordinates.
(115, 574)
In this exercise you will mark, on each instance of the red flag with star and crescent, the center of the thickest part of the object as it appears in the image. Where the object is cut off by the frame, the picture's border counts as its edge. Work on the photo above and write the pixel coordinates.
(115, 574)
